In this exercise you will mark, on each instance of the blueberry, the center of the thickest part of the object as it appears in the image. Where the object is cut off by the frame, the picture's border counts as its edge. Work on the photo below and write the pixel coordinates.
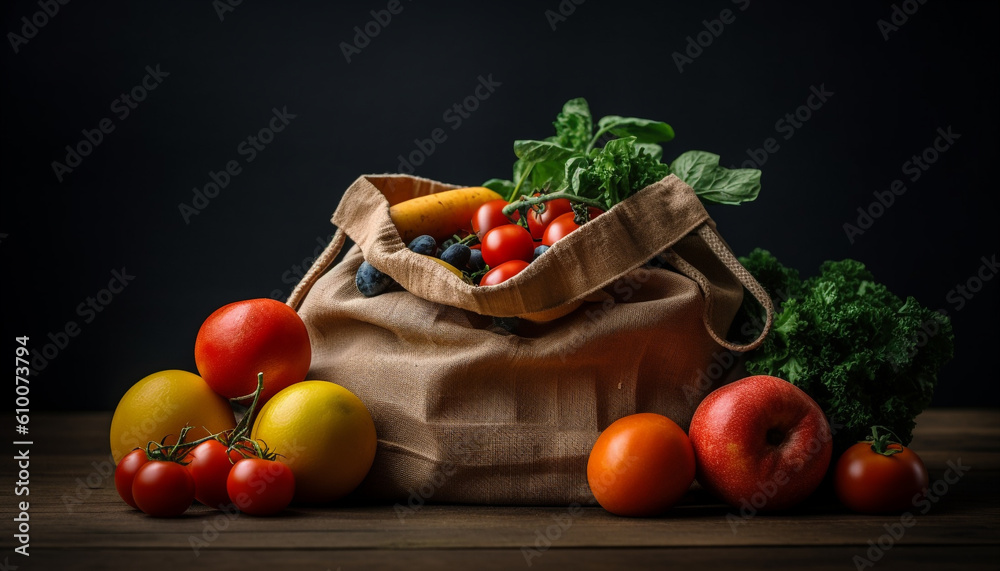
(370, 281)
(424, 244)
(476, 263)
(539, 251)
(457, 255)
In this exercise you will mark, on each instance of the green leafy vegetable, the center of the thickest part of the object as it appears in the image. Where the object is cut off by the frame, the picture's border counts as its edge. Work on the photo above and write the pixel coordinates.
(867, 357)
(714, 183)
(571, 165)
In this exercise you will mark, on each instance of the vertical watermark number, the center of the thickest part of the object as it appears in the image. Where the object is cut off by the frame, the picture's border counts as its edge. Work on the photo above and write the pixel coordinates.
(22, 389)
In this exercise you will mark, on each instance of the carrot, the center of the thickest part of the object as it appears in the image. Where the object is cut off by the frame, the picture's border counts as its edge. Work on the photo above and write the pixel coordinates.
(441, 214)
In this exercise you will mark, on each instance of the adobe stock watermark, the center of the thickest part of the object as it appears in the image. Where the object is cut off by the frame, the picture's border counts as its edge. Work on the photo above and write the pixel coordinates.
(214, 526)
(563, 11)
(787, 126)
(914, 168)
(225, 7)
(545, 537)
(625, 288)
(899, 15)
(958, 297)
(293, 275)
(454, 116)
(364, 34)
(247, 148)
(922, 503)
(102, 472)
(767, 489)
(31, 25)
(463, 451)
(87, 310)
(697, 44)
(722, 363)
(121, 107)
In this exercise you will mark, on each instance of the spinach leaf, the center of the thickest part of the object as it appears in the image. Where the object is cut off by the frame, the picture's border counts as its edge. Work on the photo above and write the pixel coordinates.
(500, 186)
(644, 130)
(539, 151)
(714, 183)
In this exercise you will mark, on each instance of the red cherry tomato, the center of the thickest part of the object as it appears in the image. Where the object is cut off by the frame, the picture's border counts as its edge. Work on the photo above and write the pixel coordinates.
(538, 221)
(559, 228)
(125, 474)
(163, 489)
(261, 487)
(867, 481)
(505, 243)
(503, 272)
(209, 464)
(489, 216)
(593, 212)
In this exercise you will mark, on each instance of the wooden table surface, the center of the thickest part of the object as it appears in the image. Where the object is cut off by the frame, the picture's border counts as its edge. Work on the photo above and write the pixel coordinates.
(77, 521)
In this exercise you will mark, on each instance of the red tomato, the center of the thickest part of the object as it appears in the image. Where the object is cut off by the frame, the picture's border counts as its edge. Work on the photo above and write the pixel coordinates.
(125, 474)
(490, 215)
(538, 221)
(506, 243)
(503, 272)
(871, 482)
(641, 465)
(163, 489)
(593, 212)
(558, 228)
(261, 487)
(241, 339)
(209, 464)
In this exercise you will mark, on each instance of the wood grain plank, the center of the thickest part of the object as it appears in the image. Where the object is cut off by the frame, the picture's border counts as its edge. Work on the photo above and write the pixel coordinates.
(839, 558)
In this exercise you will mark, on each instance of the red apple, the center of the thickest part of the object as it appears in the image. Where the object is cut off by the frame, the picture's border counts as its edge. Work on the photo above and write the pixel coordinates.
(760, 443)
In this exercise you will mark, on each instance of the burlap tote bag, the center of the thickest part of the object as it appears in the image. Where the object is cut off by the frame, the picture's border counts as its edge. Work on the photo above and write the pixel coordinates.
(468, 412)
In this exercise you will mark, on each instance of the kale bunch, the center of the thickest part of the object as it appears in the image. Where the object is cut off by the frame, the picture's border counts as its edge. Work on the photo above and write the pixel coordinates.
(867, 357)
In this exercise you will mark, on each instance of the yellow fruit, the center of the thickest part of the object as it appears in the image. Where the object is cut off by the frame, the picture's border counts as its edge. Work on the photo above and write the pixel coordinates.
(324, 433)
(162, 404)
(447, 266)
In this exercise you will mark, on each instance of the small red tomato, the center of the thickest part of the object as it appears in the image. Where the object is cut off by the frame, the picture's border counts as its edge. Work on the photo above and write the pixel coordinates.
(505, 243)
(163, 489)
(209, 464)
(261, 487)
(503, 272)
(559, 228)
(869, 481)
(593, 212)
(125, 474)
(489, 216)
(539, 221)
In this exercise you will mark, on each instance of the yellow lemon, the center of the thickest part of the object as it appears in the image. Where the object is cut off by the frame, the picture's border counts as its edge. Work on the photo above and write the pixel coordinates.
(161, 405)
(324, 433)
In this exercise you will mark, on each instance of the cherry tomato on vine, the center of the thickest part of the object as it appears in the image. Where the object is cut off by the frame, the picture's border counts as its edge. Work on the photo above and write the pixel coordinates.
(879, 477)
(503, 272)
(125, 474)
(163, 489)
(209, 464)
(538, 221)
(506, 243)
(489, 216)
(261, 487)
(593, 212)
(559, 228)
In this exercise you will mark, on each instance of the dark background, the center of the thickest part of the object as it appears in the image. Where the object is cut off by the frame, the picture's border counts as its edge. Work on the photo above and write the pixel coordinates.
(61, 241)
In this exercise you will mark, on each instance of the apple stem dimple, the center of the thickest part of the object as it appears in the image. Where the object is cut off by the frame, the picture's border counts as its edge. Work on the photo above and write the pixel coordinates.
(774, 436)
